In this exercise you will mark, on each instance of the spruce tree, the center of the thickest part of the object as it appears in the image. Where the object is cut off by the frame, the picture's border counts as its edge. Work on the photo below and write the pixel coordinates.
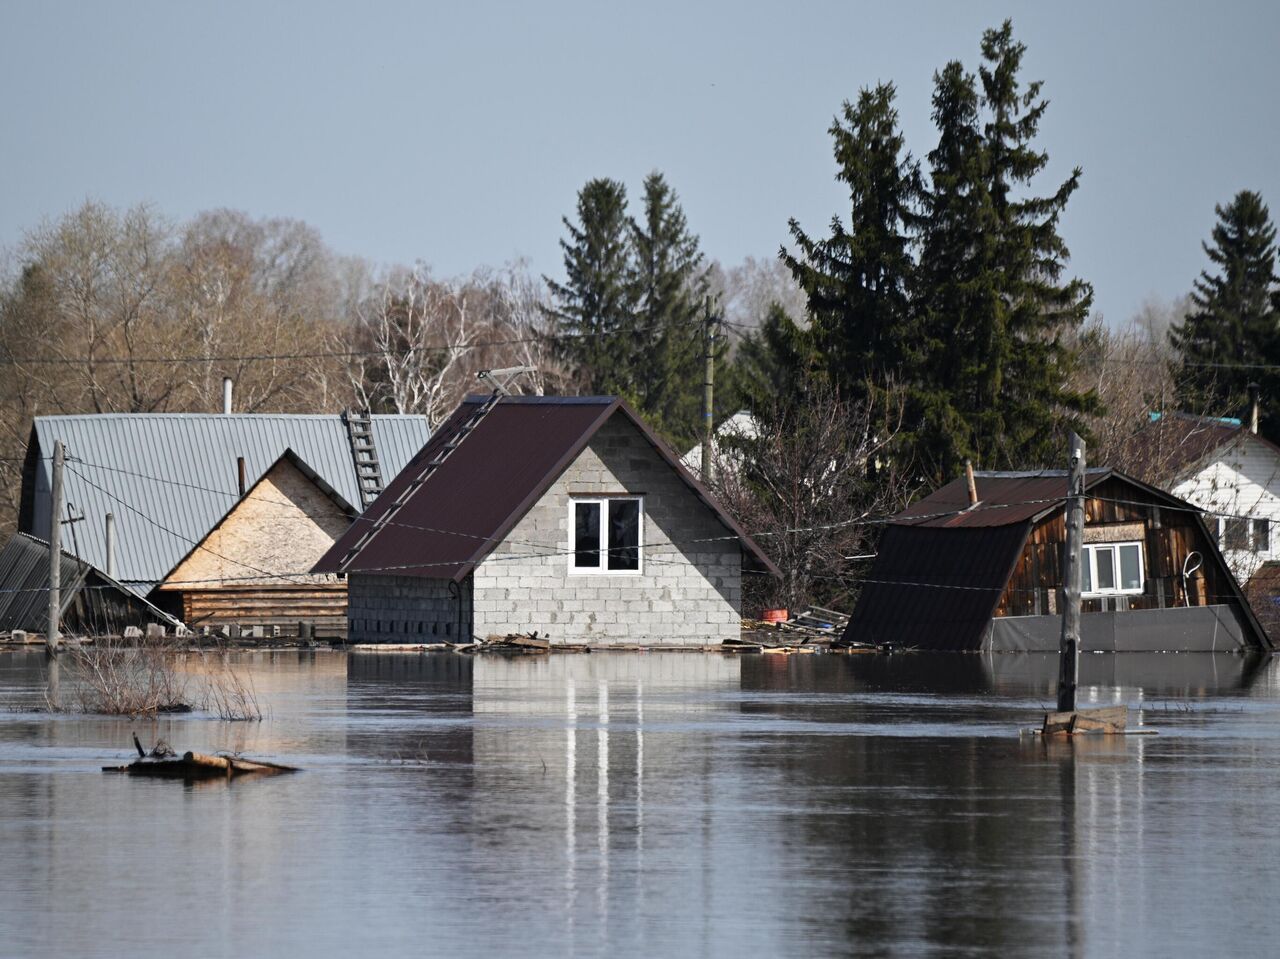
(776, 364)
(1233, 323)
(1020, 358)
(595, 308)
(856, 280)
(671, 313)
(955, 283)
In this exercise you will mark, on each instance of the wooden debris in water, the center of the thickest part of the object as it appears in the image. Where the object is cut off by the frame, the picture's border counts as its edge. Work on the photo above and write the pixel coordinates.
(162, 762)
(1109, 720)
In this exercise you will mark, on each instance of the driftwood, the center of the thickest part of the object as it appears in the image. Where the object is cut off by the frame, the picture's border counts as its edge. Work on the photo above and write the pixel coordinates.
(163, 763)
(1107, 720)
(512, 643)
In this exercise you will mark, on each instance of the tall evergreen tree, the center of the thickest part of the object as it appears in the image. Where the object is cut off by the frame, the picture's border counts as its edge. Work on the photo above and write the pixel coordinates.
(595, 308)
(955, 282)
(776, 364)
(856, 280)
(1023, 363)
(1236, 311)
(671, 318)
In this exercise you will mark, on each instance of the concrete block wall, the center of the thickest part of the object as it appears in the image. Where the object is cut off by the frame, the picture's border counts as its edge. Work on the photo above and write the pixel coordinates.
(405, 609)
(688, 592)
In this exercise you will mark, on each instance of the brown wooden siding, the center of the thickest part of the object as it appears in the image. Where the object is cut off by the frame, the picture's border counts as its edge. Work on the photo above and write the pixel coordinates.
(325, 606)
(1170, 535)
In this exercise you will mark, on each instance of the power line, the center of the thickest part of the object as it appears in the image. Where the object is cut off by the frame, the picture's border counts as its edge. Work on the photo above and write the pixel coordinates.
(308, 355)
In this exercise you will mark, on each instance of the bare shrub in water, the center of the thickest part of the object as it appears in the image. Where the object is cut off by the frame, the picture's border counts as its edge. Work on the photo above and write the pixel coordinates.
(144, 677)
(113, 677)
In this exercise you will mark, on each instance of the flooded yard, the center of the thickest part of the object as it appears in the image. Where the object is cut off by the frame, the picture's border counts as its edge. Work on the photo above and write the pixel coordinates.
(659, 804)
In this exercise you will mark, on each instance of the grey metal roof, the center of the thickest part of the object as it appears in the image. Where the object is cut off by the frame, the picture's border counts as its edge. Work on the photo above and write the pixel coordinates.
(169, 477)
(24, 589)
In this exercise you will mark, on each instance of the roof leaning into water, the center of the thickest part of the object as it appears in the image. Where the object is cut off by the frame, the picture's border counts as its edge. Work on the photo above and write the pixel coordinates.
(169, 477)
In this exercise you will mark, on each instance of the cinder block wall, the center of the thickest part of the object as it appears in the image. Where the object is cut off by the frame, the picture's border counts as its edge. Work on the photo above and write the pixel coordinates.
(405, 609)
(688, 593)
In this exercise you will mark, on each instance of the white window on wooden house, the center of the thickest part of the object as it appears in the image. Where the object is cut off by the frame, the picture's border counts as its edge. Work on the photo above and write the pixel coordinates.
(605, 535)
(1111, 569)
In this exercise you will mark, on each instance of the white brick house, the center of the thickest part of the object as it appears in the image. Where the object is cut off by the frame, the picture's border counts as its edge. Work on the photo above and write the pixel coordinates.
(564, 515)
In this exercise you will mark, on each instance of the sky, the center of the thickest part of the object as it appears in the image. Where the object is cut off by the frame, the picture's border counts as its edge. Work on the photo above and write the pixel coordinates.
(458, 134)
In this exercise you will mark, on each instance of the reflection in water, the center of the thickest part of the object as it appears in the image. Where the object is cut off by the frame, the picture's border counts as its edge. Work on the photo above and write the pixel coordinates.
(660, 804)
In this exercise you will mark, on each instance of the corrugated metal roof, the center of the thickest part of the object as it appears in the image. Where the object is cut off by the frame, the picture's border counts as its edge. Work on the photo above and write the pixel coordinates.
(24, 591)
(24, 583)
(178, 470)
(452, 521)
(1004, 499)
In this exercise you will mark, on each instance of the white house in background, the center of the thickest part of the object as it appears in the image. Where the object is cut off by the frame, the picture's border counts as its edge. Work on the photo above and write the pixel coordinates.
(1229, 471)
(741, 425)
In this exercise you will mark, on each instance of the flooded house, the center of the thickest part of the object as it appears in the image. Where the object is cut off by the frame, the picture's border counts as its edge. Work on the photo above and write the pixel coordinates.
(258, 557)
(957, 571)
(224, 498)
(564, 515)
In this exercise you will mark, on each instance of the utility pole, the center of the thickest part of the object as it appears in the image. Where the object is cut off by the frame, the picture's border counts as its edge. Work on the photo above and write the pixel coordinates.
(1069, 647)
(55, 551)
(708, 396)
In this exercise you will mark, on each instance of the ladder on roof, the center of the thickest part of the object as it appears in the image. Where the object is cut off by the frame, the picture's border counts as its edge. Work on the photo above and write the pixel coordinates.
(364, 455)
(455, 440)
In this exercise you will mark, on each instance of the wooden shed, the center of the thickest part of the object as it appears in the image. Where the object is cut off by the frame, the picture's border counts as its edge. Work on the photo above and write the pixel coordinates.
(254, 567)
(957, 575)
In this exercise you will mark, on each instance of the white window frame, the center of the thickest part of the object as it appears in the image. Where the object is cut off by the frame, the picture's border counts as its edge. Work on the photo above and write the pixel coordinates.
(603, 569)
(1089, 555)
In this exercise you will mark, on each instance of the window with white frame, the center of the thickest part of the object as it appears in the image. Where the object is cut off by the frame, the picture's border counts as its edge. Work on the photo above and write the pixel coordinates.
(1244, 533)
(1111, 569)
(605, 534)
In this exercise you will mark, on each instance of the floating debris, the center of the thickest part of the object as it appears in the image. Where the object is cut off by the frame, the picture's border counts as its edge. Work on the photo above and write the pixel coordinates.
(162, 762)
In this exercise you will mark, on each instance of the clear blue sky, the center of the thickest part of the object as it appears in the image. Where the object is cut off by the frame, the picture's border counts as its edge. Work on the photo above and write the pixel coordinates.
(459, 133)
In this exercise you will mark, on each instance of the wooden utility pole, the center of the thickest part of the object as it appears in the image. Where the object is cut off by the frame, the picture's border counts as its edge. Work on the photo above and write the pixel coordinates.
(55, 550)
(1069, 647)
(708, 396)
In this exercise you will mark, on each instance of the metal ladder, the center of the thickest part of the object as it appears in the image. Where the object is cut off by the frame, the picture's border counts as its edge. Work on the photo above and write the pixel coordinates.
(442, 454)
(364, 455)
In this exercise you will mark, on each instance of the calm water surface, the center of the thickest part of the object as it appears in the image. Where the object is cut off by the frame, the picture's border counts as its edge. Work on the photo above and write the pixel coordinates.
(657, 805)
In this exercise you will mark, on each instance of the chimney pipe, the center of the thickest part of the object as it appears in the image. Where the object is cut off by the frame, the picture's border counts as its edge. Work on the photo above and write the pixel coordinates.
(240, 474)
(226, 396)
(973, 486)
(111, 545)
(1254, 399)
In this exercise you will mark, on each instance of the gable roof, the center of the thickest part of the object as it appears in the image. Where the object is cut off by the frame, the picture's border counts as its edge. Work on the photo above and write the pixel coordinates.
(292, 458)
(1175, 444)
(169, 477)
(452, 520)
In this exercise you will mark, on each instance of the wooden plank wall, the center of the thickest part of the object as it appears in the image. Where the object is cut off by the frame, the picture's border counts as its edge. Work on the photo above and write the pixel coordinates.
(325, 606)
(1035, 586)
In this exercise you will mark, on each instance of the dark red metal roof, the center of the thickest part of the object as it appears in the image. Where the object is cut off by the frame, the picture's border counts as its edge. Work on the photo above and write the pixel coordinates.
(490, 480)
(1004, 499)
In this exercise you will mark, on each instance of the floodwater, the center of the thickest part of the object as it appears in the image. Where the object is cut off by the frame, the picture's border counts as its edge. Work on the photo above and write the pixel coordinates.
(661, 804)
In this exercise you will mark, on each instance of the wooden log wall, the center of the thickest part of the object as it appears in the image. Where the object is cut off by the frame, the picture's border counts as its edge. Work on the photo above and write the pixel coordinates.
(325, 606)
(1170, 535)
